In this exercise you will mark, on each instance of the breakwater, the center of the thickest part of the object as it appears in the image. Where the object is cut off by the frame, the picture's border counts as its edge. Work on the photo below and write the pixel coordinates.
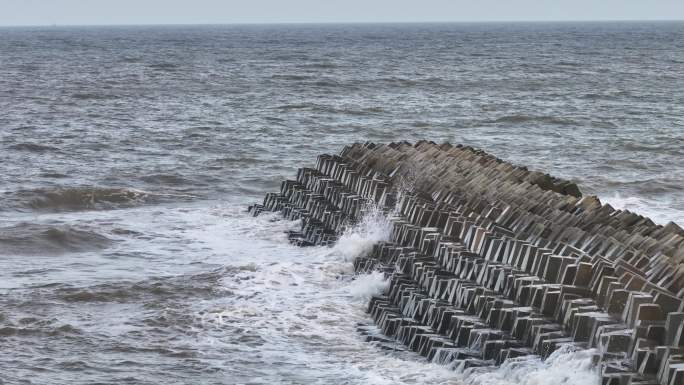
(490, 262)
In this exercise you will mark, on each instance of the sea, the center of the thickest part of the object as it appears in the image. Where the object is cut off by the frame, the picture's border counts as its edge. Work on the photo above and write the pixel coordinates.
(129, 155)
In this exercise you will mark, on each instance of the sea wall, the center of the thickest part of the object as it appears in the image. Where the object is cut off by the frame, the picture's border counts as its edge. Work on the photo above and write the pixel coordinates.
(489, 261)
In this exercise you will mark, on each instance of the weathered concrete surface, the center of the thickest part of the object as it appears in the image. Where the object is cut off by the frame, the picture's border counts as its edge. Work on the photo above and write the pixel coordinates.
(488, 261)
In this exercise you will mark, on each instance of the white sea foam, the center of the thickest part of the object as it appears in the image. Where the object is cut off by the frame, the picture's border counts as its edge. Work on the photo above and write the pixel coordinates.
(305, 305)
(358, 240)
(566, 366)
(367, 285)
(282, 314)
(660, 211)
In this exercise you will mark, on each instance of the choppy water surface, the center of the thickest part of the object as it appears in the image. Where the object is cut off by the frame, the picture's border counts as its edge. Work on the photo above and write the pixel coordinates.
(128, 154)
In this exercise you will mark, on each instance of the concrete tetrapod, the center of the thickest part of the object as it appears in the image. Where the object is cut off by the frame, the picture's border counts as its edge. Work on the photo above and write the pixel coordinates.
(488, 261)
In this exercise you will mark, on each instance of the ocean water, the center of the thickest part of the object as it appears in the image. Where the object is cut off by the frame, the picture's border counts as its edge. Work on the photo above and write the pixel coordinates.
(128, 156)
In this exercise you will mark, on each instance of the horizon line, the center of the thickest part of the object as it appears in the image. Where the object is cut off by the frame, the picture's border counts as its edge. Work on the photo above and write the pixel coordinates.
(483, 21)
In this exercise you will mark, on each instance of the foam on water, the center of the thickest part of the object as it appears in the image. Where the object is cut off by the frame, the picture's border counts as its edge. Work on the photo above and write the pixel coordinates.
(304, 303)
(233, 291)
(309, 309)
(661, 210)
(244, 303)
(368, 285)
(566, 366)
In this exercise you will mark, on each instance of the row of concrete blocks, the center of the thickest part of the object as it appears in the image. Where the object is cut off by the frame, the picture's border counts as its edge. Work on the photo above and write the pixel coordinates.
(579, 314)
(592, 244)
(506, 222)
(637, 281)
(638, 302)
(474, 325)
(508, 252)
(455, 262)
(584, 267)
(427, 296)
(505, 187)
(630, 234)
(326, 205)
(387, 159)
(446, 157)
(523, 195)
(549, 260)
(317, 223)
(360, 179)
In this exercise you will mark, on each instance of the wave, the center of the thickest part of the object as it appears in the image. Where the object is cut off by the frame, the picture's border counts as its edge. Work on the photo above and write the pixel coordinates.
(670, 146)
(605, 95)
(83, 198)
(647, 187)
(32, 147)
(567, 365)
(519, 118)
(38, 239)
(92, 96)
(565, 63)
(200, 285)
(363, 111)
(420, 124)
(235, 160)
(166, 179)
(292, 77)
(164, 67)
(327, 83)
(287, 107)
(54, 175)
(31, 330)
(314, 81)
(659, 210)
(130, 59)
(399, 81)
(323, 65)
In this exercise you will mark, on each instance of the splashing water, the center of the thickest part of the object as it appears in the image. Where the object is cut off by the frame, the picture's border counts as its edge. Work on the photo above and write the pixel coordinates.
(358, 240)
(566, 366)
(368, 285)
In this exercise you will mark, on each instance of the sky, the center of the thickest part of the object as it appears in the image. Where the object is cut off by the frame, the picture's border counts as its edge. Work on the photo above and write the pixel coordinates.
(112, 12)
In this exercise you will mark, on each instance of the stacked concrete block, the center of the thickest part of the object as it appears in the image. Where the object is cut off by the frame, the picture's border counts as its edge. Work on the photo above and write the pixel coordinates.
(488, 261)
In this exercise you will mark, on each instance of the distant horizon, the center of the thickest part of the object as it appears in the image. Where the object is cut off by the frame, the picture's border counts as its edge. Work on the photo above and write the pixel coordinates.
(39, 13)
(531, 21)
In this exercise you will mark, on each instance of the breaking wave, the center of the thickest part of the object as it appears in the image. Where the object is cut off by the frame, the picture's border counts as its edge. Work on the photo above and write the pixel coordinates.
(359, 239)
(660, 210)
(39, 239)
(566, 366)
(155, 289)
(83, 198)
(368, 285)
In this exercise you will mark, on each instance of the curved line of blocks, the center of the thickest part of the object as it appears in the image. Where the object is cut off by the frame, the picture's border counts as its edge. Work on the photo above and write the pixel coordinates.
(488, 261)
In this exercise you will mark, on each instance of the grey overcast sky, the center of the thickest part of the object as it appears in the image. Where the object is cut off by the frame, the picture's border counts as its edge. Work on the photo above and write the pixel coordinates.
(89, 12)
